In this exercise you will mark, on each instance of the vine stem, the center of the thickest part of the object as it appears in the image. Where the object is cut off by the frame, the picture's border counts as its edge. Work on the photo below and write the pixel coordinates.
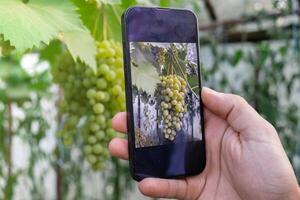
(188, 84)
(59, 175)
(104, 23)
(96, 24)
(116, 14)
(58, 169)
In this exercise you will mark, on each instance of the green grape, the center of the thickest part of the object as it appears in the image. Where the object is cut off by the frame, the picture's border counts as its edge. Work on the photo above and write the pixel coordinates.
(91, 159)
(97, 149)
(92, 101)
(87, 149)
(103, 69)
(98, 108)
(110, 76)
(107, 97)
(165, 113)
(99, 95)
(92, 139)
(174, 102)
(117, 89)
(111, 133)
(100, 135)
(171, 107)
(101, 83)
(171, 137)
(94, 127)
(91, 93)
(100, 119)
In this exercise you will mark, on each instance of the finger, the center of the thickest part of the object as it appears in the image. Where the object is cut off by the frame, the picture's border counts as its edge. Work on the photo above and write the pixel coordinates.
(207, 116)
(119, 122)
(163, 188)
(232, 108)
(119, 148)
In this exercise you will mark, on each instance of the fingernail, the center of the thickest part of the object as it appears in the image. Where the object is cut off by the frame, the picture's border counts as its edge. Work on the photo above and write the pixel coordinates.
(210, 91)
(206, 89)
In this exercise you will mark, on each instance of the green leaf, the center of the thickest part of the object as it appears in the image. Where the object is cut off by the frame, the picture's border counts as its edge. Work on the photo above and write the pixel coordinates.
(92, 17)
(194, 83)
(18, 84)
(51, 51)
(109, 1)
(15, 94)
(164, 3)
(145, 77)
(127, 3)
(113, 15)
(238, 55)
(81, 46)
(263, 51)
(39, 21)
(12, 74)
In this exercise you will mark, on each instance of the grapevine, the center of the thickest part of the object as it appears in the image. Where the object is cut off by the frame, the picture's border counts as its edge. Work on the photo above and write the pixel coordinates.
(94, 96)
(172, 105)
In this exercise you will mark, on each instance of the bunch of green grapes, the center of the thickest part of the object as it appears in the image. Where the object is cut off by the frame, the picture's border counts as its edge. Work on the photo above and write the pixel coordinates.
(95, 96)
(172, 105)
(72, 105)
(106, 97)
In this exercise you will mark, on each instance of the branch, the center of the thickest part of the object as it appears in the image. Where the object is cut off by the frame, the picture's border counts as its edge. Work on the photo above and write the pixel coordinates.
(245, 20)
(211, 11)
(251, 36)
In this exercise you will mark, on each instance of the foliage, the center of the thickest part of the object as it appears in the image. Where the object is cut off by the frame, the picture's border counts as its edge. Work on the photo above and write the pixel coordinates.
(16, 93)
(103, 21)
(268, 84)
(40, 21)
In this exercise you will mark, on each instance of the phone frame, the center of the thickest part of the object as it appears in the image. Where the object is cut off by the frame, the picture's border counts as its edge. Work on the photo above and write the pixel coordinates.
(128, 90)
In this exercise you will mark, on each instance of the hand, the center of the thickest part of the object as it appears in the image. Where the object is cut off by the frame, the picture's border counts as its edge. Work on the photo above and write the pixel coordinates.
(245, 159)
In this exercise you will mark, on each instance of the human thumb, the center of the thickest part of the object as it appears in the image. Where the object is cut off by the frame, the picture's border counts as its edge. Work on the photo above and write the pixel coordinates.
(232, 108)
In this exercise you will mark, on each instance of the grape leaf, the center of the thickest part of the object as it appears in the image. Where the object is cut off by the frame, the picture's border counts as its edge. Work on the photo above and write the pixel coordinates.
(81, 45)
(109, 1)
(13, 74)
(15, 94)
(39, 21)
(145, 77)
(92, 17)
(128, 3)
(164, 3)
(16, 82)
(51, 51)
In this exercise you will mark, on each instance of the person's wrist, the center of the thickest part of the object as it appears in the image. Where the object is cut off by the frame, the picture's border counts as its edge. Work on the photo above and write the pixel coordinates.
(298, 194)
(295, 195)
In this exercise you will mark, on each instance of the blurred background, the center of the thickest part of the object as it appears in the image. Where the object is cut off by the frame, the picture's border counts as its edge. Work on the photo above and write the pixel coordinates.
(248, 47)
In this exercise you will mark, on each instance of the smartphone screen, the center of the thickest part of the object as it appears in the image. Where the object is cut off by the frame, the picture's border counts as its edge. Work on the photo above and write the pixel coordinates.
(165, 116)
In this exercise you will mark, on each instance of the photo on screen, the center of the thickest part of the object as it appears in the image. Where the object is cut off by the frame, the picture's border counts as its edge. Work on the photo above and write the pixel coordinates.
(165, 93)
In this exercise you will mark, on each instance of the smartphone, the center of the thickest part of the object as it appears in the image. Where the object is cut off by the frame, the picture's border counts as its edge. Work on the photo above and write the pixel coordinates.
(162, 80)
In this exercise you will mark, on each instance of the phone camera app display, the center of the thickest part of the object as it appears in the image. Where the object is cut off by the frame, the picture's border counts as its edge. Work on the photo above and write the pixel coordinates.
(165, 93)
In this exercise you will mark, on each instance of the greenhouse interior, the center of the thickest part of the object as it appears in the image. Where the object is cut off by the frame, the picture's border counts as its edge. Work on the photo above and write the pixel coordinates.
(51, 149)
